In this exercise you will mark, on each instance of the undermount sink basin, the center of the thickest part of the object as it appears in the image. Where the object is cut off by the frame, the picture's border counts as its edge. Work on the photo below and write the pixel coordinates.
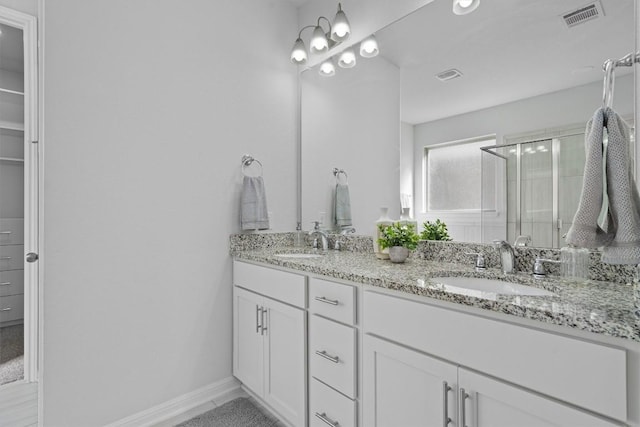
(301, 255)
(487, 288)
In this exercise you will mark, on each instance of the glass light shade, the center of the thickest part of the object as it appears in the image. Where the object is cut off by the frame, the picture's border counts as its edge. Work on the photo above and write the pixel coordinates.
(341, 28)
(319, 41)
(462, 7)
(369, 47)
(347, 59)
(327, 69)
(299, 52)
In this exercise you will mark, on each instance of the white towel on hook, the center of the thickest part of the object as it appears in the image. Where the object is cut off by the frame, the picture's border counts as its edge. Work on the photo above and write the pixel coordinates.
(253, 210)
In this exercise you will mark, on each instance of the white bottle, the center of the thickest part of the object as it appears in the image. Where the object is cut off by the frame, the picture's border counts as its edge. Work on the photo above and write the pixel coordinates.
(405, 218)
(383, 220)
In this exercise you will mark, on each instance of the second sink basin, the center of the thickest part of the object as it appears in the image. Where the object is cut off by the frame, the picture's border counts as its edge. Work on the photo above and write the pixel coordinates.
(487, 288)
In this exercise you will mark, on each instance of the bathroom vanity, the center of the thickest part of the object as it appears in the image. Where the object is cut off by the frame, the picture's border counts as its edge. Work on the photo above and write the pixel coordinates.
(345, 339)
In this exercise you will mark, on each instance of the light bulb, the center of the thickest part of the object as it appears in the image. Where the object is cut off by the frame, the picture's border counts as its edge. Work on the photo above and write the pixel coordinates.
(462, 7)
(341, 28)
(327, 69)
(369, 47)
(347, 59)
(299, 53)
(319, 41)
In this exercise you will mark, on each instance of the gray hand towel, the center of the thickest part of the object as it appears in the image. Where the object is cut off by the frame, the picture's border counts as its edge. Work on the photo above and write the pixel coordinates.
(585, 231)
(624, 202)
(253, 209)
(342, 206)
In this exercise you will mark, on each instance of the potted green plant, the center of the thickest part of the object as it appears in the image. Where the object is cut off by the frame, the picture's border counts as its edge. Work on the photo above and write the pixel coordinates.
(435, 231)
(400, 238)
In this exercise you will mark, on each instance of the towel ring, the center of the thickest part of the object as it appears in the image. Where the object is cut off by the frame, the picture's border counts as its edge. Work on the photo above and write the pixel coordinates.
(609, 83)
(247, 161)
(337, 172)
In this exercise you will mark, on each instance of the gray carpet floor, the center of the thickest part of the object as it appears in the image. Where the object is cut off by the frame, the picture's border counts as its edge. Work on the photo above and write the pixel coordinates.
(240, 412)
(11, 354)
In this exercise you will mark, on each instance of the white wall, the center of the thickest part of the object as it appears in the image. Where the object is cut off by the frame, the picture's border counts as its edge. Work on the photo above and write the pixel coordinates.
(563, 108)
(351, 121)
(149, 106)
(26, 6)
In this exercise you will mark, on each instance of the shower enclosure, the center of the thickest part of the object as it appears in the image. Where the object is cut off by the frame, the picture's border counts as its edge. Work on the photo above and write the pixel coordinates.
(531, 187)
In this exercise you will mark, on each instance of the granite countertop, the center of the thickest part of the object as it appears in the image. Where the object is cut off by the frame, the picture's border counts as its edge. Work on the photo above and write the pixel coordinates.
(610, 309)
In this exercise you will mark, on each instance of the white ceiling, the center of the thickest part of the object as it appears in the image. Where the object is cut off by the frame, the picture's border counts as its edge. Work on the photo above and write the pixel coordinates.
(507, 50)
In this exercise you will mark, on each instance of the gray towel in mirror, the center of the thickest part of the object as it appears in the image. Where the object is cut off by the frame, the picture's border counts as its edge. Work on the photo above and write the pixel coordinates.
(342, 206)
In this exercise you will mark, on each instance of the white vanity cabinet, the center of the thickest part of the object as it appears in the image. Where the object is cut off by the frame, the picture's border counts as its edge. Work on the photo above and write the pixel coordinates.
(269, 337)
(423, 362)
(333, 354)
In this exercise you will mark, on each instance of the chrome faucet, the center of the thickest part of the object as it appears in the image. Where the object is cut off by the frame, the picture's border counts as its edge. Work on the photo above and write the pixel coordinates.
(507, 256)
(317, 232)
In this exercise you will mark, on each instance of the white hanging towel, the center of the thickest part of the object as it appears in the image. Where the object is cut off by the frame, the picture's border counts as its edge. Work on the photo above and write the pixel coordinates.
(608, 177)
(253, 209)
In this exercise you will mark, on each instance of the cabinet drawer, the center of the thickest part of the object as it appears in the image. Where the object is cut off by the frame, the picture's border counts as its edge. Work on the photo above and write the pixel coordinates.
(327, 406)
(276, 284)
(11, 282)
(332, 354)
(11, 308)
(333, 300)
(586, 374)
(11, 231)
(11, 257)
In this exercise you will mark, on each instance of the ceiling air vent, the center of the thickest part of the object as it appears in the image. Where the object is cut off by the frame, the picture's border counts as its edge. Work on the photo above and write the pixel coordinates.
(448, 75)
(584, 14)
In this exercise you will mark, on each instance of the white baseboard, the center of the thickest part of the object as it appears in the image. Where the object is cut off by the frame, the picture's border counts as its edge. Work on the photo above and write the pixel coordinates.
(179, 405)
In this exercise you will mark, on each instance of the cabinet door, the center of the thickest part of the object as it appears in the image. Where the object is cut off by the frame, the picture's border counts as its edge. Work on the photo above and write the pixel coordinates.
(402, 387)
(248, 353)
(285, 385)
(492, 403)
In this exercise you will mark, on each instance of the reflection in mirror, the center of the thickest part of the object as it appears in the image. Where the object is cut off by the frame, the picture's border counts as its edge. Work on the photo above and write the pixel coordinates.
(523, 75)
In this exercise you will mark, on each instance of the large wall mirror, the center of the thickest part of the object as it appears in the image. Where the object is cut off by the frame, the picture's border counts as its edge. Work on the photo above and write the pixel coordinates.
(408, 125)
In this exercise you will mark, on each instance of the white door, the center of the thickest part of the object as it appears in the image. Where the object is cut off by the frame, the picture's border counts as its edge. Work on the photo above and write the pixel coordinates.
(285, 373)
(492, 403)
(19, 178)
(405, 388)
(248, 351)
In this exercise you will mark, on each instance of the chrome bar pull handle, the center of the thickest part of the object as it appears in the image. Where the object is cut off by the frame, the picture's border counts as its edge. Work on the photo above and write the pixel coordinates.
(334, 359)
(6, 309)
(263, 326)
(446, 420)
(258, 317)
(461, 400)
(323, 417)
(5, 284)
(327, 301)
(5, 232)
(5, 258)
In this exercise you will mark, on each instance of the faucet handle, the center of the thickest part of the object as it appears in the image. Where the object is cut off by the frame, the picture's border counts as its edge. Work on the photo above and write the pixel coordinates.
(538, 267)
(480, 264)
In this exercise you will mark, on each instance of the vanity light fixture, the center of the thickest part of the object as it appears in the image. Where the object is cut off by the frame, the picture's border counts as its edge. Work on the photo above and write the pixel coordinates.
(369, 47)
(321, 41)
(462, 7)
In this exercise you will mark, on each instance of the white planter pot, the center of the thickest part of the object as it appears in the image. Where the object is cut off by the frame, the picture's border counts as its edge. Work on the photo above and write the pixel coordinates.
(398, 254)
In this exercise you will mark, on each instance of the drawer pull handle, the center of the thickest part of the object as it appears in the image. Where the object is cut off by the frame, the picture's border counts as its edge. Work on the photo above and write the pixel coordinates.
(5, 232)
(327, 301)
(445, 405)
(6, 309)
(334, 359)
(5, 284)
(327, 421)
(5, 258)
